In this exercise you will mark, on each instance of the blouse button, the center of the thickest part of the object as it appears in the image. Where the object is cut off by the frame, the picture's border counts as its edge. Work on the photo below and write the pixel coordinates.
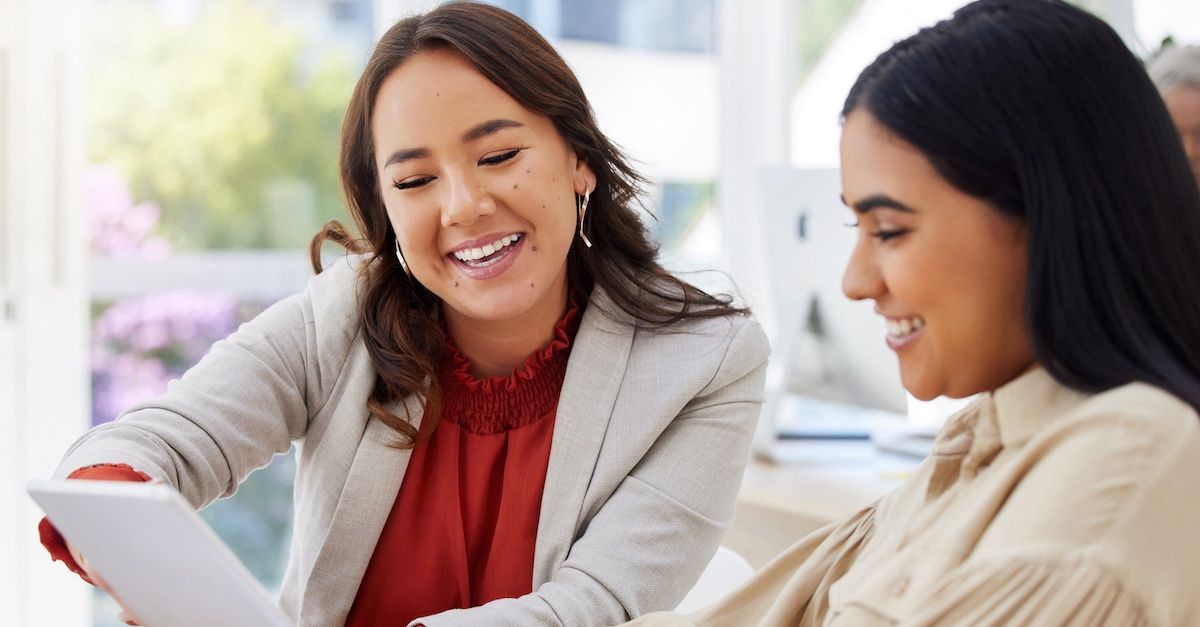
(899, 586)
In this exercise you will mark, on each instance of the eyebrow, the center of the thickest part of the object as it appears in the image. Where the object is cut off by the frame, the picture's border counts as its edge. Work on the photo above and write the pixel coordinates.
(878, 201)
(480, 131)
(400, 156)
(475, 133)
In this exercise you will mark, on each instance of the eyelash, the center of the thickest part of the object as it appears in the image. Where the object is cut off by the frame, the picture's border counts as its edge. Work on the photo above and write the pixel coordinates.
(495, 160)
(501, 158)
(881, 234)
(411, 184)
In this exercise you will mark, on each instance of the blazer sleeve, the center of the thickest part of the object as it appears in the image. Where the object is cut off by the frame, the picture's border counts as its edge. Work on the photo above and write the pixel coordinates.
(648, 544)
(243, 403)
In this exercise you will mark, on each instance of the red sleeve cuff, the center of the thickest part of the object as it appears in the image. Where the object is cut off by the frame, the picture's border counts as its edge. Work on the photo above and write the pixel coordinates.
(109, 472)
(53, 540)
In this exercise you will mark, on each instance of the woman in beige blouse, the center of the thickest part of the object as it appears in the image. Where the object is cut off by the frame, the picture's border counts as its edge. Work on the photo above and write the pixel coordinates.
(1031, 230)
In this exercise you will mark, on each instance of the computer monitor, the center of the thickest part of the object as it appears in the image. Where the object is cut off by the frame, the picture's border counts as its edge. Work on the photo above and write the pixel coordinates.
(826, 346)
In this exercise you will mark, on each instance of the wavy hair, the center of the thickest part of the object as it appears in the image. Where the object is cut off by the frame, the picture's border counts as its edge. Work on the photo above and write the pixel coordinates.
(1038, 108)
(399, 317)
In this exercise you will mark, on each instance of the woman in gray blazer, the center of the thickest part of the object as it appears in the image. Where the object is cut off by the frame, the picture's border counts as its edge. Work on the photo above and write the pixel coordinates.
(489, 203)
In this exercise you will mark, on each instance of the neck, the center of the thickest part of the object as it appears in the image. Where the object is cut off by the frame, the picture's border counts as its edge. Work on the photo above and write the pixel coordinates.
(496, 348)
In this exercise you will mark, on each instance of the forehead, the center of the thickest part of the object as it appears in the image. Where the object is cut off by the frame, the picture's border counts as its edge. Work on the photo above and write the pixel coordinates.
(875, 160)
(437, 93)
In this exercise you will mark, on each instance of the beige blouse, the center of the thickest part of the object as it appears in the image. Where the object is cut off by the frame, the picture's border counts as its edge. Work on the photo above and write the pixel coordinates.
(1038, 506)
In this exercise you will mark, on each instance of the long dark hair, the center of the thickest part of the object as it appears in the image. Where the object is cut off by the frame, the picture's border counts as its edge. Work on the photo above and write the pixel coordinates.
(399, 317)
(1040, 109)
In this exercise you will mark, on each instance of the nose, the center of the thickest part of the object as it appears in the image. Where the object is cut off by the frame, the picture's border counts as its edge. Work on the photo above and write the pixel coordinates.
(862, 278)
(467, 201)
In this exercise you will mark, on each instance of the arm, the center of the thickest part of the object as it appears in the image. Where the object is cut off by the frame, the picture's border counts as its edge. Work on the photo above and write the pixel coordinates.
(239, 406)
(649, 542)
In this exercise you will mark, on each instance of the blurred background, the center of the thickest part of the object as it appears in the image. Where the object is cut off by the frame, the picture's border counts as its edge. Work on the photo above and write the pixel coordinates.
(163, 164)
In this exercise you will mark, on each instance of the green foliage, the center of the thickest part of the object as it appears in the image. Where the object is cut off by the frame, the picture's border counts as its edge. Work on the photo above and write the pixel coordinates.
(221, 122)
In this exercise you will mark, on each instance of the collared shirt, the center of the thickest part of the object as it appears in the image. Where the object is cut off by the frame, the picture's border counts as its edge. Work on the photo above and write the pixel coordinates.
(1039, 505)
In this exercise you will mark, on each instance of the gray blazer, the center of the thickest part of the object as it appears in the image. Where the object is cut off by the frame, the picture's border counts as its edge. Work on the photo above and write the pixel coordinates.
(650, 441)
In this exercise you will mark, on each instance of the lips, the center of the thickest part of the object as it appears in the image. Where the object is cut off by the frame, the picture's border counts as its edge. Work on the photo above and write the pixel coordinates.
(480, 254)
(487, 257)
(903, 331)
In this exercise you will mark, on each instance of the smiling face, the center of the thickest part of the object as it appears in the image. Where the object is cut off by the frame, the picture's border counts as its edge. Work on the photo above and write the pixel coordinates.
(479, 190)
(945, 268)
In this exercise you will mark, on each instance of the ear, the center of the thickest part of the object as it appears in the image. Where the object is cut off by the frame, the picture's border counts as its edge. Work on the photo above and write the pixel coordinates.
(585, 179)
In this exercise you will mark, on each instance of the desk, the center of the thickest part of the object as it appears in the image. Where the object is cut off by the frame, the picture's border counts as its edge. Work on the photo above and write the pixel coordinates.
(807, 485)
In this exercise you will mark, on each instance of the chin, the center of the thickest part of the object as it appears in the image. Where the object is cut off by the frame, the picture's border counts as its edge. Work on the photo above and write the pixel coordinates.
(500, 310)
(920, 388)
(921, 395)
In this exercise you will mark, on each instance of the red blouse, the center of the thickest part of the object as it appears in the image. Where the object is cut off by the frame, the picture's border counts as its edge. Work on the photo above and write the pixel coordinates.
(462, 530)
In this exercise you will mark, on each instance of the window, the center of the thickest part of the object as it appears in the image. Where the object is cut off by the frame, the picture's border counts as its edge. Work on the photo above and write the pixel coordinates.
(213, 138)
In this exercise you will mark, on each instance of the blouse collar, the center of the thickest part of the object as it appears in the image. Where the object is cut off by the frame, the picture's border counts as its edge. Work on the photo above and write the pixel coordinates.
(499, 403)
(1011, 414)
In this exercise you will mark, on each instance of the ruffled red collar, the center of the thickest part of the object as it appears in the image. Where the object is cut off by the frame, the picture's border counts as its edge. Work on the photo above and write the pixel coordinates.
(497, 404)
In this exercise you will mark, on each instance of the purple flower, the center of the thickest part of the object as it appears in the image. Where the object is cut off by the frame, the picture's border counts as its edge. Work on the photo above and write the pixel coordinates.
(139, 344)
(117, 227)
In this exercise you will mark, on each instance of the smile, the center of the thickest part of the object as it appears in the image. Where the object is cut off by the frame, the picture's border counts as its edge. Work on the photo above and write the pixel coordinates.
(487, 258)
(483, 255)
(902, 331)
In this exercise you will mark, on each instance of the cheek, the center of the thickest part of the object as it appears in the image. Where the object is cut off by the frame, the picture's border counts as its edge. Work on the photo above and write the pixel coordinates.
(415, 229)
(984, 305)
(548, 204)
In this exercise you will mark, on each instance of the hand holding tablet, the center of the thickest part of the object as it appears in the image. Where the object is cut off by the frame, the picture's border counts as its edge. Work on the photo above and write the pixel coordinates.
(158, 558)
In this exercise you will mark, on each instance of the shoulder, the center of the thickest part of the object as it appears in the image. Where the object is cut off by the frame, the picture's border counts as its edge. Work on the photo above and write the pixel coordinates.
(734, 342)
(1126, 423)
(336, 289)
(1149, 408)
(1124, 485)
(1126, 435)
(319, 326)
(1115, 470)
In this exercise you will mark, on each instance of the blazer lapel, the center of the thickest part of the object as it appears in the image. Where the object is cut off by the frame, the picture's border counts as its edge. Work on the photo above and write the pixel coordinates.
(594, 373)
(371, 487)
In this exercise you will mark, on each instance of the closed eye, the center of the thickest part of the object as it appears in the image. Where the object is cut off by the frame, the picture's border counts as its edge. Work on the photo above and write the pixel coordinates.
(500, 158)
(411, 183)
(885, 235)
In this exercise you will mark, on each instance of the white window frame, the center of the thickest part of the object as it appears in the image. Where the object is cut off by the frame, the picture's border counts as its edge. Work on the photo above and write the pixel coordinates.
(44, 396)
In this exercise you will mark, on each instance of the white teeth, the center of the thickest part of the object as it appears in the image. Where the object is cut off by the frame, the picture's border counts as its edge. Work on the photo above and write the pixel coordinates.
(899, 327)
(475, 254)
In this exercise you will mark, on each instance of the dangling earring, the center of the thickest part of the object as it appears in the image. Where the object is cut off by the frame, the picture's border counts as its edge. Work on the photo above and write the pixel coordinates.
(403, 263)
(582, 201)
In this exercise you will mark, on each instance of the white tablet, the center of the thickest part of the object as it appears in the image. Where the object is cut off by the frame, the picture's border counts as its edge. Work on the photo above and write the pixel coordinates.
(168, 567)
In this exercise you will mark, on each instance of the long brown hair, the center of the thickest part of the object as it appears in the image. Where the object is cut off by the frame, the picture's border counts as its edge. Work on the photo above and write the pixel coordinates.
(400, 317)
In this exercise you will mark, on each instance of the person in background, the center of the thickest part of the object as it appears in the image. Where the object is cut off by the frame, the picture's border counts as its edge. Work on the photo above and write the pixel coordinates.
(1176, 73)
(507, 412)
(1028, 227)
